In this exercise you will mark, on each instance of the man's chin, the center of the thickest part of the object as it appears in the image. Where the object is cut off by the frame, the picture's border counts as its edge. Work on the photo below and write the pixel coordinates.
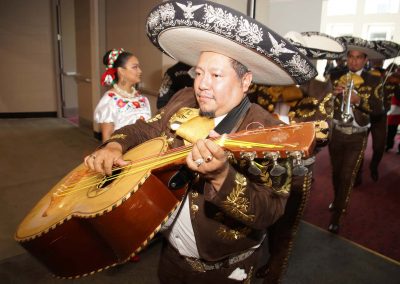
(209, 114)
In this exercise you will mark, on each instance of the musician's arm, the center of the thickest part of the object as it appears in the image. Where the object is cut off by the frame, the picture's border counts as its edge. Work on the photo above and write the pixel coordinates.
(254, 203)
(371, 97)
(132, 135)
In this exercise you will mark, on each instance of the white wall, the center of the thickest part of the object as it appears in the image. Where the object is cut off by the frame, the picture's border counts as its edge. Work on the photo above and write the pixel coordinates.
(283, 16)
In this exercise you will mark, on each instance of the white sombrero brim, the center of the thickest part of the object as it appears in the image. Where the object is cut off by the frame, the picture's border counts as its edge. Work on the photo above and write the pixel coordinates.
(177, 43)
(317, 45)
(184, 29)
(370, 48)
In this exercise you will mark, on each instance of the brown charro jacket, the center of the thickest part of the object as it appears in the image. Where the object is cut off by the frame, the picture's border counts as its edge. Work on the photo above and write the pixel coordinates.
(235, 218)
(371, 103)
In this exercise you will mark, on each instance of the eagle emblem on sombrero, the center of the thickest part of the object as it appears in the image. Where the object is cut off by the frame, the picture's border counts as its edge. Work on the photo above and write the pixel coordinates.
(184, 29)
(278, 48)
(189, 9)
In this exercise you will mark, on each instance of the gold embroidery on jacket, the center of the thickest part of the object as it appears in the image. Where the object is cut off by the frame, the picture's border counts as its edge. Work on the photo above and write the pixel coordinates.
(365, 101)
(232, 234)
(118, 136)
(156, 117)
(306, 107)
(236, 203)
(378, 92)
(325, 107)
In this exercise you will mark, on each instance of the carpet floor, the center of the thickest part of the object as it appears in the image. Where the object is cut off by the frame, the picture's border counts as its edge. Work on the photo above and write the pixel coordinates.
(372, 218)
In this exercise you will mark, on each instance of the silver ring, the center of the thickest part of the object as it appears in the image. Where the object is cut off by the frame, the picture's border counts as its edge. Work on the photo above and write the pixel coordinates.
(199, 161)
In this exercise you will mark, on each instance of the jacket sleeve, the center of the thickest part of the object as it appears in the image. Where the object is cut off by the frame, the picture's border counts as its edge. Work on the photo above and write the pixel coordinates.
(253, 202)
(371, 97)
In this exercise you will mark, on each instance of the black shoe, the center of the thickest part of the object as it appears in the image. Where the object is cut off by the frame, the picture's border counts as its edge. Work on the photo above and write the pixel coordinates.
(333, 228)
(374, 175)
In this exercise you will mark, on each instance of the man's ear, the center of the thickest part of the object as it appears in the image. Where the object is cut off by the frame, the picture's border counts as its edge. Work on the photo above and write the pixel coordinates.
(246, 81)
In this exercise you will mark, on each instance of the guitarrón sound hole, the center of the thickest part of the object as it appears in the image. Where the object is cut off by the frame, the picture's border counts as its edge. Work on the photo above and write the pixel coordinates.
(107, 180)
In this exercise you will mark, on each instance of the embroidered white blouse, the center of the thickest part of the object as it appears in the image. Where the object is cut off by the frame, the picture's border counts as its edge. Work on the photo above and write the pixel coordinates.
(121, 111)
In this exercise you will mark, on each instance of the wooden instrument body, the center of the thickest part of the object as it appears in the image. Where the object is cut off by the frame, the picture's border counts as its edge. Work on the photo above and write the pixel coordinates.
(85, 241)
(85, 224)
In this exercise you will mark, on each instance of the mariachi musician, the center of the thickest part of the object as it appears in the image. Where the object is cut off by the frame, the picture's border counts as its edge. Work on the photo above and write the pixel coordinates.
(378, 127)
(311, 101)
(215, 234)
(391, 97)
(356, 101)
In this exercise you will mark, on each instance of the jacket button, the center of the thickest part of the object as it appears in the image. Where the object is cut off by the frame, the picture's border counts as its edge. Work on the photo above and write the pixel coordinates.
(195, 208)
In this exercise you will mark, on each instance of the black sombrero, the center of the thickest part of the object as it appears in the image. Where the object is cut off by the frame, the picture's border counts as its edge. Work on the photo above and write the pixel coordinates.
(184, 29)
(391, 49)
(317, 45)
(371, 48)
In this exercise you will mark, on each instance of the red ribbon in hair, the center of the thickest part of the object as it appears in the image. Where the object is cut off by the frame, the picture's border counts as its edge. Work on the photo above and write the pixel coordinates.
(108, 76)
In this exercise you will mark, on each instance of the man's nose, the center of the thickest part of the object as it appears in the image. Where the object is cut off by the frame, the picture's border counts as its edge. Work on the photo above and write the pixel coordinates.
(204, 81)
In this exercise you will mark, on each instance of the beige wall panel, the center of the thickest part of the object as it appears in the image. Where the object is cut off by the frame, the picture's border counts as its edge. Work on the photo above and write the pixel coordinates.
(27, 70)
(125, 27)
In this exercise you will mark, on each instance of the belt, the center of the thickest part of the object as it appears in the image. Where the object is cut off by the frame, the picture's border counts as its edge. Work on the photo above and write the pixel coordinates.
(203, 266)
(350, 129)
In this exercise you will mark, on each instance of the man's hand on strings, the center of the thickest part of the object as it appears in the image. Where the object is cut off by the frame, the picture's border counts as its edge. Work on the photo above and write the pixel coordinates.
(209, 159)
(103, 160)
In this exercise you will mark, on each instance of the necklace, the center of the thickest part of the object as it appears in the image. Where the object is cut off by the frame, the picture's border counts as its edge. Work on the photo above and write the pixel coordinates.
(124, 93)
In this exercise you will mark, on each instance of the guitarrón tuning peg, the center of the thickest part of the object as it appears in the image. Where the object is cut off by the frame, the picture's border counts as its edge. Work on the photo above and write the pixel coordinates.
(277, 170)
(254, 169)
(298, 165)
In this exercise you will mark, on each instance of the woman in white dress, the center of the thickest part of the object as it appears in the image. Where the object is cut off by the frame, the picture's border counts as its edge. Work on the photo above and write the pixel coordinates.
(122, 104)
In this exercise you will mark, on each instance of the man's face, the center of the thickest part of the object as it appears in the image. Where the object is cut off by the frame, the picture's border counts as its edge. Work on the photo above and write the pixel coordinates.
(217, 86)
(356, 60)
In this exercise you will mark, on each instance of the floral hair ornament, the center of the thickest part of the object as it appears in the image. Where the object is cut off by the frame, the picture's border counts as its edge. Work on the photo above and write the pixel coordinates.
(108, 77)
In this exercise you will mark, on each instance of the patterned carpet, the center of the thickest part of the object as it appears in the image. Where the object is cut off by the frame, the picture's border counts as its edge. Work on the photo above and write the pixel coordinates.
(373, 214)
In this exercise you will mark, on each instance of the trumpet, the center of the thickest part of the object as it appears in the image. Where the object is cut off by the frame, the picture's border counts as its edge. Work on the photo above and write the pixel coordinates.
(346, 115)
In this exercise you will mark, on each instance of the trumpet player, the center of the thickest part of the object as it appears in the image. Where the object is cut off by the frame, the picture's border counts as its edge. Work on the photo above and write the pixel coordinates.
(354, 103)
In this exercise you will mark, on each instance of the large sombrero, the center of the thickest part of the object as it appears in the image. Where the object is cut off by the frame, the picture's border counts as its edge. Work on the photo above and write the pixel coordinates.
(370, 48)
(317, 45)
(184, 29)
(391, 49)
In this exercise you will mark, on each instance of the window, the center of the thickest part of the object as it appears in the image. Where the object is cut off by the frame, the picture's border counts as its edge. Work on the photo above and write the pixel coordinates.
(341, 7)
(339, 30)
(380, 32)
(381, 6)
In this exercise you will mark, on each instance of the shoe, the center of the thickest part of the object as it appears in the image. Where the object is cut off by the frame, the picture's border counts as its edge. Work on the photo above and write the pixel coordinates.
(374, 175)
(331, 207)
(333, 228)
